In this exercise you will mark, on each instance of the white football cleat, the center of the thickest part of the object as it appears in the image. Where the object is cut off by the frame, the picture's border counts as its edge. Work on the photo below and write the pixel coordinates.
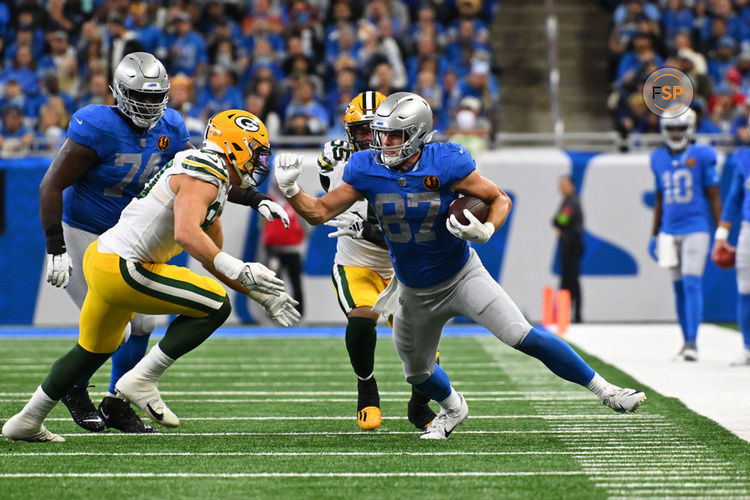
(689, 352)
(145, 395)
(743, 359)
(18, 428)
(442, 426)
(623, 400)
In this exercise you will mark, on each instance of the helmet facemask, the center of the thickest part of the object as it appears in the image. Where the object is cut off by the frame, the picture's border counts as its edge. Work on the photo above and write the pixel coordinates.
(360, 134)
(676, 136)
(144, 108)
(395, 155)
(255, 170)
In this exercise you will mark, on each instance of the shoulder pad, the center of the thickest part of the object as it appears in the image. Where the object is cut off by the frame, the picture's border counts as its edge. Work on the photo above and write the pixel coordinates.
(203, 165)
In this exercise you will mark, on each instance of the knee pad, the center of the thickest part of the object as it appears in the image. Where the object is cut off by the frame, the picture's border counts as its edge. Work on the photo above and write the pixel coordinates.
(142, 325)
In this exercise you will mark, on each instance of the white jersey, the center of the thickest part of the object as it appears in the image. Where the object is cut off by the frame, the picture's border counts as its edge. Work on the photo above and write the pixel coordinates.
(359, 253)
(145, 231)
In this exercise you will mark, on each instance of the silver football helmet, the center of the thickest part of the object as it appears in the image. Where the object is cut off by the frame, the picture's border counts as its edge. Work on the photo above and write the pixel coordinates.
(141, 88)
(678, 131)
(408, 114)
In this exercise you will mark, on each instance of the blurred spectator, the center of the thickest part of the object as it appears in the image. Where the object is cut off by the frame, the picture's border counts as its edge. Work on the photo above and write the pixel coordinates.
(428, 87)
(460, 52)
(426, 51)
(705, 125)
(15, 139)
(61, 60)
(470, 10)
(343, 40)
(260, 107)
(345, 89)
(180, 98)
(482, 85)
(50, 89)
(469, 128)
(223, 50)
(13, 94)
(723, 60)
(642, 53)
(65, 15)
(98, 92)
(304, 104)
(23, 71)
(27, 35)
(122, 42)
(51, 128)
(147, 32)
(426, 27)
(219, 94)
(676, 17)
(303, 21)
(382, 79)
(739, 74)
(188, 53)
(722, 107)
(683, 46)
(739, 127)
(375, 51)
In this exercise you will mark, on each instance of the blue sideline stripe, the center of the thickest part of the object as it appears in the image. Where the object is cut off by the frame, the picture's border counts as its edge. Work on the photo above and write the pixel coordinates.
(232, 331)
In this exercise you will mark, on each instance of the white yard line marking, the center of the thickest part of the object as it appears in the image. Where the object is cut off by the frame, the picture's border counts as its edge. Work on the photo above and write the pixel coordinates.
(301, 433)
(288, 454)
(351, 417)
(288, 474)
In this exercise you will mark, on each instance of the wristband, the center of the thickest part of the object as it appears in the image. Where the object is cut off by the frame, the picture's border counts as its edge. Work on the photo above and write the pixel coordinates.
(227, 265)
(722, 233)
(55, 239)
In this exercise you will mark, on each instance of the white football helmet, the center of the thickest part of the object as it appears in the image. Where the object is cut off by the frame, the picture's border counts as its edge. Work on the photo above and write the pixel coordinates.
(141, 88)
(403, 112)
(678, 131)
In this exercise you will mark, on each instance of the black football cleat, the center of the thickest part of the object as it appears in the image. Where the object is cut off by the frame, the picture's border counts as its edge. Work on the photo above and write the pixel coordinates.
(82, 410)
(118, 414)
(420, 414)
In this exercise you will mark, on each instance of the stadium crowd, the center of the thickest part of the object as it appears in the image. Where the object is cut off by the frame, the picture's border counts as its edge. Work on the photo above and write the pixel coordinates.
(709, 40)
(294, 63)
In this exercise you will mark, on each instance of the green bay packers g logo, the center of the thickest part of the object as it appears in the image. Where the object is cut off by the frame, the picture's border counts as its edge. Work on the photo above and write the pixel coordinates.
(163, 143)
(247, 124)
(431, 183)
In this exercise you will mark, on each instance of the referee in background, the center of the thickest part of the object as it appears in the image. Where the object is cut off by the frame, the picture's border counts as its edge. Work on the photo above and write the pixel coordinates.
(568, 222)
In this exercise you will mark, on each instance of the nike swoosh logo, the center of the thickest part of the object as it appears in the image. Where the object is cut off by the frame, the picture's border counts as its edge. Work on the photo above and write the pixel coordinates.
(157, 416)
(97, 419)
(80, 122)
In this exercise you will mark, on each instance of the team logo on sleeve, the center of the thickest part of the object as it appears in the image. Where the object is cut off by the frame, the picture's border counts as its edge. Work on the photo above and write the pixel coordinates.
(431, 182)
(247, 124)
(690, 162)
(163, 143)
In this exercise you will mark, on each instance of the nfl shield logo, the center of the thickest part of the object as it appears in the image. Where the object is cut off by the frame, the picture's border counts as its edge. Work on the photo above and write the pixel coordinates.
(143, 142)
(401, 181)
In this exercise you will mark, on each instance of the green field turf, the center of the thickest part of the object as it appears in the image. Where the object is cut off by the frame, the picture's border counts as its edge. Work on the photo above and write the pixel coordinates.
(274, 418)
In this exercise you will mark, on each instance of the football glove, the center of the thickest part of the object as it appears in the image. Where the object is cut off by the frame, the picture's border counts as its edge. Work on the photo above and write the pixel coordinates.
(59, 269)
(347, 224)
(279, 308)
(252, 275)
(288, 168)
(333, 153)
(478, 232)
(271, 210)
(652, 248)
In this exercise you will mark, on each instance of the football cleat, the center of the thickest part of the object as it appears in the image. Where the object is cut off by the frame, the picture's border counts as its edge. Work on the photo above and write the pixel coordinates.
(18, 428)
(743, 359)
(369, 418)
(82, 410)
(117, 414)
(420, 414)
(145, 395)
(368, 404)
(689, 352)
(445, 422)
(623, 400)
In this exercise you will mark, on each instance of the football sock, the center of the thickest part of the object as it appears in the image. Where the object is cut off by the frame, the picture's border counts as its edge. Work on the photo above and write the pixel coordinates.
(39, 405)
(437, 387)
(599, 386)
(125, 358)
(185, 333)
(679, 300)
(153, 364)
(743, 316)
(71, 367)
(557, 355)
(693, 306)
(367, 393)
(418, 397)
(451, 403)
(361, 337)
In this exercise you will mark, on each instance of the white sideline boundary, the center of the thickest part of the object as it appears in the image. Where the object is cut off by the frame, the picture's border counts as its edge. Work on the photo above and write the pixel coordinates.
(709, 387)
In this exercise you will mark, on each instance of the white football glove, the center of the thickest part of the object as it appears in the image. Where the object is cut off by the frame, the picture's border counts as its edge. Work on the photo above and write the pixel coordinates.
(347, 224)
(279, 308)
(475, 231)
(271, 210)
(59, 269)
(288, 168)
(252, 275)
(333, 153)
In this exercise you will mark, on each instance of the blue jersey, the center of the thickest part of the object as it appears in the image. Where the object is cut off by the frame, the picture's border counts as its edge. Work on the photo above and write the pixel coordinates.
(682, 179)
(737, 199)
(411, 207)
(127, 160)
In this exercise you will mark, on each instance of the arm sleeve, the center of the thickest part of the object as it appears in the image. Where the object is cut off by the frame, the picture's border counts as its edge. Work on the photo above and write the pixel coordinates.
(733, 201)
(249, 197)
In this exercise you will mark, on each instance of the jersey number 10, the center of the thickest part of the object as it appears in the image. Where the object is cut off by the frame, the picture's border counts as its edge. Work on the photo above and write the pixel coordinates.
(678, 186)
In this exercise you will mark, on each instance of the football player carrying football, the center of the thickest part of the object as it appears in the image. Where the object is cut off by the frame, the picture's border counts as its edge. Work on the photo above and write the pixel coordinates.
(126, 272)
(687, 192)
(738, 203)
(110, 154)
(362, 267)
(437, 275)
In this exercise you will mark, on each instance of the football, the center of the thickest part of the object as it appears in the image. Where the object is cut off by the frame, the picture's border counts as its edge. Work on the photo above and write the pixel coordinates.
(724, 258)
(474, 205)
